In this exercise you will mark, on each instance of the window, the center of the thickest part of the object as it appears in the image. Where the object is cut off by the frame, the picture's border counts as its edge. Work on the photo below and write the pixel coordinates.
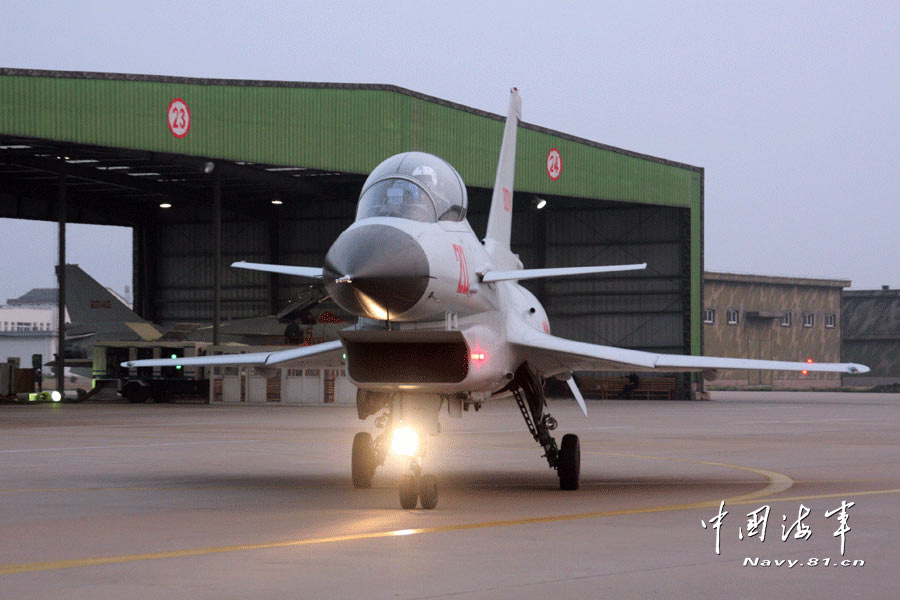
(732, 316)
(709, 315)
(786, 319)
(809, 319)
(830, 321)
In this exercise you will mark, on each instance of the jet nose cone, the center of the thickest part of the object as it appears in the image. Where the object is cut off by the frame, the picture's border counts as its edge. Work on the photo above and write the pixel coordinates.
(376, 271)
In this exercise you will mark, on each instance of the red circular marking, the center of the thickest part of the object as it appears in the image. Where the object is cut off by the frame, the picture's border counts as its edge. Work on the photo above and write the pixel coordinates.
(554, 164)
(178, 117)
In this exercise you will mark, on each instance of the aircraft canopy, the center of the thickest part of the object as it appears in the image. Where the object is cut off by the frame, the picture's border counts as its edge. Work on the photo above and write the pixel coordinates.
(414, 185)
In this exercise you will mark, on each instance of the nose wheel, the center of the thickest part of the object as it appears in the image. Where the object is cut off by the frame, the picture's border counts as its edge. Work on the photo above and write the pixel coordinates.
(416, 488)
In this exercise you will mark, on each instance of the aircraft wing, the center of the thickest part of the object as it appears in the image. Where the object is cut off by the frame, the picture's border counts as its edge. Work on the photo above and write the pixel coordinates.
(551, 355)
(492, 276)
(309, 272)
(327, 354)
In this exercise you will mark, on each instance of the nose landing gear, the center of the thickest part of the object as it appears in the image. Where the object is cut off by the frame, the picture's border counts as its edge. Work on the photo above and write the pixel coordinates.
(418, 488)
(368, 454)
(364, 460)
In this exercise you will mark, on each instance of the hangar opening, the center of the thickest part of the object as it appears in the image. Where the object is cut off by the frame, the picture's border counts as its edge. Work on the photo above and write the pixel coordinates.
(271, 172)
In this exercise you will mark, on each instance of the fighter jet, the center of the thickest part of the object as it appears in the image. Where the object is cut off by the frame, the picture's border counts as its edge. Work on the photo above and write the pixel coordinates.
(100, 315)
(443, 320)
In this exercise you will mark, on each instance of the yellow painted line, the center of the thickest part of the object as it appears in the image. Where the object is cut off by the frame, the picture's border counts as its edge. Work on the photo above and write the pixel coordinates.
(821, 496)
(128, 558)
(778, 482)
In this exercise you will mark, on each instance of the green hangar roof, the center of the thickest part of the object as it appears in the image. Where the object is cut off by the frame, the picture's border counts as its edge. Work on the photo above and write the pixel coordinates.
(346, 128)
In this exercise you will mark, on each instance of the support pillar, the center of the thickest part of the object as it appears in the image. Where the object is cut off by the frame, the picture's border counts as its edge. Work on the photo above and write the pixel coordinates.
(217, 236)
(61, 292)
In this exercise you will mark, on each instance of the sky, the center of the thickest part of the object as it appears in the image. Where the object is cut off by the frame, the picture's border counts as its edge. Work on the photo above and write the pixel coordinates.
(792, 108)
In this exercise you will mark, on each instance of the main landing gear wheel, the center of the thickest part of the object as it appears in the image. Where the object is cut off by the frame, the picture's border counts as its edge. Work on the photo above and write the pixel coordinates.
(569, 465)
(363, 462)
(409, 492)
(428, 492)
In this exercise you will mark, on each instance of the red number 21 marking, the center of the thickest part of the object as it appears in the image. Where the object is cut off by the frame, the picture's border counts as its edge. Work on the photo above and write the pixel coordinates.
(463, 286)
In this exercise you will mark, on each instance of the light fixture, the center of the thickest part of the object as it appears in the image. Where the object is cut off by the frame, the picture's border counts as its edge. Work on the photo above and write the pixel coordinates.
(208, 167)
(277, 202)
(165, 205)
(540, 203)
(405, 441)
(55, 396)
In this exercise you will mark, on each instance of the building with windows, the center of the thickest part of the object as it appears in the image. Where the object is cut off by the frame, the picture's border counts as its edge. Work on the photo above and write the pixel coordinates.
(26, 330)
(774, 318)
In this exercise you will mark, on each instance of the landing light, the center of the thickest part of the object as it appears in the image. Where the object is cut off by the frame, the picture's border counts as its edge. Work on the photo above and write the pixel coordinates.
(165, 205)
(405, 441)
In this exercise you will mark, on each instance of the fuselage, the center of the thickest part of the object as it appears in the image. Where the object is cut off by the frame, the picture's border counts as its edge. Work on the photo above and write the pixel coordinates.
(421, 282)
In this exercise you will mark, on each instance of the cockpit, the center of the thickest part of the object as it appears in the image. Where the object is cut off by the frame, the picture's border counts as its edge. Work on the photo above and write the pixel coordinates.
(414, 185)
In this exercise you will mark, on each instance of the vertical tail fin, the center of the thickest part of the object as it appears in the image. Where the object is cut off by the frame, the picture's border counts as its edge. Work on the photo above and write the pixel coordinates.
(499, 226)
(89, 302)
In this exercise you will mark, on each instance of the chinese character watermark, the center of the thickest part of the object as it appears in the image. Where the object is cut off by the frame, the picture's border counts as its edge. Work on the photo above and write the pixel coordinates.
(756, 524)
(716, 522)
(841, 512)
(758, 520)
(802, 530)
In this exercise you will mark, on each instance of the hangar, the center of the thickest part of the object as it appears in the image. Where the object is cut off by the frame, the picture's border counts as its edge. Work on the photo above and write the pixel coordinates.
(210, 171)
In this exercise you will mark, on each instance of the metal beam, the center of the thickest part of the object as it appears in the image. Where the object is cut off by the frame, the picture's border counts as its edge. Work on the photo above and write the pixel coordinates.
(87, 173)
(61, 292)
(217, 273)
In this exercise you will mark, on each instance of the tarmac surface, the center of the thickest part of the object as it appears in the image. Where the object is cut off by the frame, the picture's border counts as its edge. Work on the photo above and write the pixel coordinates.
(196, 501)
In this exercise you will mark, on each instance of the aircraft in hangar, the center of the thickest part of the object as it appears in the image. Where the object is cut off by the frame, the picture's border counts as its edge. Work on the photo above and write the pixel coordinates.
(444, 321)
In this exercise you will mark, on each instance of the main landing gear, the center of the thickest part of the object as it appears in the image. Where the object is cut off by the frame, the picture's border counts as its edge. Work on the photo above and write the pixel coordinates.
(566, 458)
